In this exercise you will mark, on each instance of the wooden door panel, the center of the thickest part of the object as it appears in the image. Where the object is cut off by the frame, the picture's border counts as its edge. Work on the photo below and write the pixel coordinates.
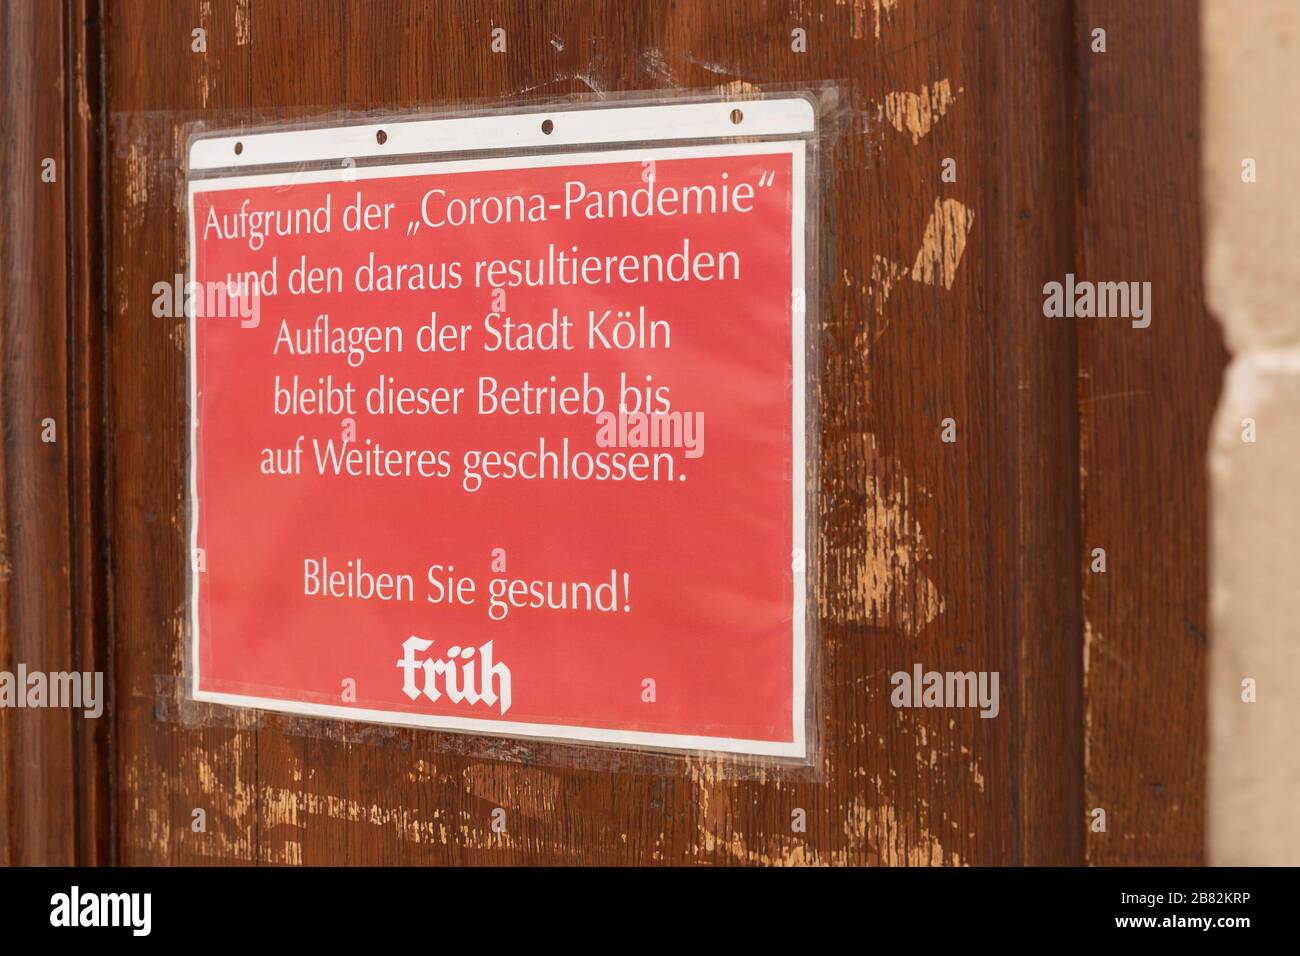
(964, 555)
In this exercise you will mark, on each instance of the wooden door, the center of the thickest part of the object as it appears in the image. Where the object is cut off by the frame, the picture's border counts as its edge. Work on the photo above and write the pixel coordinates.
(1071, 435)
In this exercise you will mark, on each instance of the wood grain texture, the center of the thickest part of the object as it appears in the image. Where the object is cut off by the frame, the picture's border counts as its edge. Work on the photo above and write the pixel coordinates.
(957, 556)
(1146, 399)
(88, 480)
(38, 750)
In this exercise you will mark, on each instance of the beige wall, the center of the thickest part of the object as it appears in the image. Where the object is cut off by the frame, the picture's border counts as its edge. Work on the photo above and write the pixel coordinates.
(1252, 75)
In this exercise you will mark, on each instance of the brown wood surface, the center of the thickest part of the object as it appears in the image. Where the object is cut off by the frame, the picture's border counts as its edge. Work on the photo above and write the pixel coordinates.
(38, 792)
(1145, 401)
(1071, 435)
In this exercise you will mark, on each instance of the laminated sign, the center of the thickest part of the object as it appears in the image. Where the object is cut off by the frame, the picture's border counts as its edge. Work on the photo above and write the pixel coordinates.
(499, 424)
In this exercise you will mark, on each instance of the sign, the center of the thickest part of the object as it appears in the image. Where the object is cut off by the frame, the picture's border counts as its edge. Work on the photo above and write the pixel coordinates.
(512, 444)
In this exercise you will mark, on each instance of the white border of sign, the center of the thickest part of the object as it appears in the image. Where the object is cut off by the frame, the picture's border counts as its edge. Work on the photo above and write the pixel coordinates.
(640, 124)
(586, 127)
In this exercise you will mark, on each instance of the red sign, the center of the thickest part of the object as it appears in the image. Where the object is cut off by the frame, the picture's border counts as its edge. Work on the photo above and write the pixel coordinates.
(510, 446)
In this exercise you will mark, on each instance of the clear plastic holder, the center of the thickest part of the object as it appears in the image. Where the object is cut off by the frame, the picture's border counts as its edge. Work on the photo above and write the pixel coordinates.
(521, 139)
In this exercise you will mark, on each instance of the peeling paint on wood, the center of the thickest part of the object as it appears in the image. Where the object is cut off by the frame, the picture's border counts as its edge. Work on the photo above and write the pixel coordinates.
(944, 242)
(917, 113)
